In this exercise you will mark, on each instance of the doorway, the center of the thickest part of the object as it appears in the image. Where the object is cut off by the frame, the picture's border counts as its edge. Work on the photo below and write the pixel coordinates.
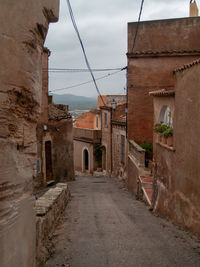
(48, 159)
(86, 159)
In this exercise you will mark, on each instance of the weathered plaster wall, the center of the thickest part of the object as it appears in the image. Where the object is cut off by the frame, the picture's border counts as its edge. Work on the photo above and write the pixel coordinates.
(187, 132)
(159, 50)
(119, 168)
(159, 102)
(88, 120)
(177, 172)
(106, 138)
(24, 27)
(79, 147)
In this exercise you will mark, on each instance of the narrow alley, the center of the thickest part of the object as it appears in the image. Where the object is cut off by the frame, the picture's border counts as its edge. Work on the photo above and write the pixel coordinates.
(104, 225)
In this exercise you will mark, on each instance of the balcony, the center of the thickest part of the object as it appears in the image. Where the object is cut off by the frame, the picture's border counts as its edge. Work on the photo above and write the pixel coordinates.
(87, 135)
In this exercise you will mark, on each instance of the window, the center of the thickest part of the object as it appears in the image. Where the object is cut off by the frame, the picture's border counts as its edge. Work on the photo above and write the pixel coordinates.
(97, 122)
(122, 149)
(166, 116)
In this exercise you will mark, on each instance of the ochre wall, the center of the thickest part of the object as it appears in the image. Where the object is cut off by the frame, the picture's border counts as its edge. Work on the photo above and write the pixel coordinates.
(88, 120)
(177, 172)
(78, 155)
(24, 26)
(187, 162)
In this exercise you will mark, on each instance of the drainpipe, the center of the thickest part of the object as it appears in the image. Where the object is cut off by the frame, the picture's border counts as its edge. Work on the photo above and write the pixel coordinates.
(111, 131)
(111, 157)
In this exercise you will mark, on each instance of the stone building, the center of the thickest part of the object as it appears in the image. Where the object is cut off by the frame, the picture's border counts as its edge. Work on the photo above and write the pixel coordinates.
(89, 120)
(158, 51)
(24, 26)
(54, 138)
(87, 140)
(119, 142)
(95, 133)
(171, 189)
(177, 167)
(113, 121)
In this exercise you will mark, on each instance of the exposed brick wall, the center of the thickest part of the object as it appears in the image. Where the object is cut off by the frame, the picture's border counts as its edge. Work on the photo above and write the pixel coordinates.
(151, 71)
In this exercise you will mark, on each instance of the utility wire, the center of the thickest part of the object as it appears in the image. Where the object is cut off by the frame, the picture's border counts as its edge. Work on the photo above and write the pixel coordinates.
(78, 70)
(77, 85)
(137, 27)
(83, 49)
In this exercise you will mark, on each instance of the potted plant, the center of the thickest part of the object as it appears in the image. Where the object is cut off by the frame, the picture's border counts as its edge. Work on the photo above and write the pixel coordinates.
(159, 129)
(148, 149)
(168, 135)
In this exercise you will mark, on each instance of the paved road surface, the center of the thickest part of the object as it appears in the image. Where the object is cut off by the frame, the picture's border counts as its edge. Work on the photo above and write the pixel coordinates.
(105, 226)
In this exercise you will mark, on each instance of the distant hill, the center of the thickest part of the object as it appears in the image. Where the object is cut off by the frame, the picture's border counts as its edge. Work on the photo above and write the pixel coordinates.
(75, 102)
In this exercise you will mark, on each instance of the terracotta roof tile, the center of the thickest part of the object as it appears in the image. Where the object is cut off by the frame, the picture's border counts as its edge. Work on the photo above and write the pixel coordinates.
(187, 66)
(154, 52)
(162, 92)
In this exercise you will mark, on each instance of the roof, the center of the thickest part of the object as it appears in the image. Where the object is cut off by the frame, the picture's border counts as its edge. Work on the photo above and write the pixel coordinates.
(162, 92)
(162, 53)
(187, 66)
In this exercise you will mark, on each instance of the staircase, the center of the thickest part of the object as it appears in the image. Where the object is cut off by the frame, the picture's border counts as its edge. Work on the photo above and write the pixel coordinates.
(145, 188)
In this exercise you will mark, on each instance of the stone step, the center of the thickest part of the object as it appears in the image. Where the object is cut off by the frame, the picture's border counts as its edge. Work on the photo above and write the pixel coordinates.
(146, 182)
(148, 192)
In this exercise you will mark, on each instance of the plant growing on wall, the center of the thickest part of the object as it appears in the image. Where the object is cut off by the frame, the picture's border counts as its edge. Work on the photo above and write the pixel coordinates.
(146, 146)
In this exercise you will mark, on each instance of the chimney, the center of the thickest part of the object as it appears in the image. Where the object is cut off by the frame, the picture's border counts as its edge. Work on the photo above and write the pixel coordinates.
(194, 11)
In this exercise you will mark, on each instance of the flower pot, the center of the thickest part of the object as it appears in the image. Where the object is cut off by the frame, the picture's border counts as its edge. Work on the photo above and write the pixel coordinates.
(164, 140)
(159, 137)
(170, 141)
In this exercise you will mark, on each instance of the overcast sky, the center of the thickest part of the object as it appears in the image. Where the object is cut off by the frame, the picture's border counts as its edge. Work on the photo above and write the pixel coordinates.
(103, 28)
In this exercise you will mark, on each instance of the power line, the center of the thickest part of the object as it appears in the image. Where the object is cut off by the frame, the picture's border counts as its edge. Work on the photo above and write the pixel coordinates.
(83, 49)
(137, 27)
(78, 70)
(80, 84)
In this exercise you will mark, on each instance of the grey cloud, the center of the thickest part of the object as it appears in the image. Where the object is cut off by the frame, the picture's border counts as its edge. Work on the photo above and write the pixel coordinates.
(103, 27)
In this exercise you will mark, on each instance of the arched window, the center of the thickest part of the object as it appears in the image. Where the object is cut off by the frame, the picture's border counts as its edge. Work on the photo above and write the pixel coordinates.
(166, 116)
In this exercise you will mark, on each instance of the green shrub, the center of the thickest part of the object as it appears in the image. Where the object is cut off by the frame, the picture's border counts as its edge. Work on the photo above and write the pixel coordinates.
(146, 146)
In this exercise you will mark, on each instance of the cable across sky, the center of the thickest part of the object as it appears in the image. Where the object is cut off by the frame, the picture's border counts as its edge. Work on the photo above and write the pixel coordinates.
(79, 70)
(80, 84)
(83, 49)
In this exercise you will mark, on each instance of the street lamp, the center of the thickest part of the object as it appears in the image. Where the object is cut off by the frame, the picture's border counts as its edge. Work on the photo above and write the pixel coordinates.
(113, 103)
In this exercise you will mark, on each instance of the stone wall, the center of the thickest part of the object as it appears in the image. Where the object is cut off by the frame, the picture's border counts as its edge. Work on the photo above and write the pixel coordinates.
(49, 209)
(24, 25)
(136, 161)
(62, 149)
(119, 167)
(106, 138)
